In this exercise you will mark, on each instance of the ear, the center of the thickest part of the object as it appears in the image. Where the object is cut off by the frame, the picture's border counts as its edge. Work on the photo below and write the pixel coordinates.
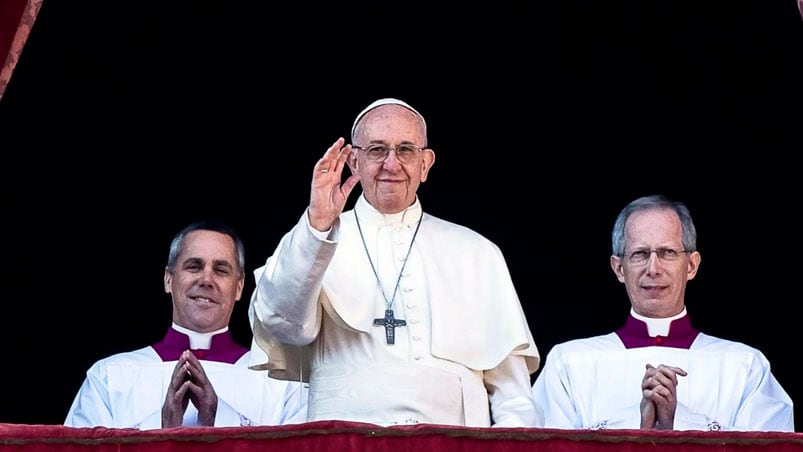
(168, 278)
(694, 265)
(429, 160)
(616, 266)
(351, 160)
(240, 285)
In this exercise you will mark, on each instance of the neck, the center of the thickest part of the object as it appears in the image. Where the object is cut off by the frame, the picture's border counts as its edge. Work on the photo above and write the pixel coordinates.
(658, 327)
(369, 214)
(199, 340)
(640, 331)
(220, 346)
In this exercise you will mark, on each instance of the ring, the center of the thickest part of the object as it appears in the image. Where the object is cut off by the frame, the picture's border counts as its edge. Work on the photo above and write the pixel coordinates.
(324, 170)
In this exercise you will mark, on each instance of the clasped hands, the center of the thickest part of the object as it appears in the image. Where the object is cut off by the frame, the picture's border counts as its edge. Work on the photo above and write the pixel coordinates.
(189, 384)
(659, 396)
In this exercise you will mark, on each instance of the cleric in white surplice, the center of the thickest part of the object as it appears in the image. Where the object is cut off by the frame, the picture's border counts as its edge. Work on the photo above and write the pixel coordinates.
(658, 371)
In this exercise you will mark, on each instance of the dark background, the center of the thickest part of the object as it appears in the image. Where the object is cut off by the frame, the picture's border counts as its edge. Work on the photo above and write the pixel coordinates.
(123, 122)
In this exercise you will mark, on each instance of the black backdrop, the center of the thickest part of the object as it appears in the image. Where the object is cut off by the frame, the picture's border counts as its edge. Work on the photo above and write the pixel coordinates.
(124, 122)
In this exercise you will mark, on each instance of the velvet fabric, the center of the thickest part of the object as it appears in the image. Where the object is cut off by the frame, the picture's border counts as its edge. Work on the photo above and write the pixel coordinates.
(16, 20)
(334, 436)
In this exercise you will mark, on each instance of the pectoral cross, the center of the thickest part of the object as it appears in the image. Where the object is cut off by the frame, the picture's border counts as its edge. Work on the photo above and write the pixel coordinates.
(390, 323)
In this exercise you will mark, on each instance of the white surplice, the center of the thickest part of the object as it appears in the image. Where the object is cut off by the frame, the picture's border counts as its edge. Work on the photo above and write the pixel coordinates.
(466, 345)
(595, 383)
(127, 390)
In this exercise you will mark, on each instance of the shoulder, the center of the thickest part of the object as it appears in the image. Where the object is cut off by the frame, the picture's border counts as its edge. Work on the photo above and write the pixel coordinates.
(713, 344)
(583, 350)
(144, 354)
(444, 229)
(586, 345)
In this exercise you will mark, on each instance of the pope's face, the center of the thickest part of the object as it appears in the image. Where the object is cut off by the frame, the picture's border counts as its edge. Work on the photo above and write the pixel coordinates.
(390, 185)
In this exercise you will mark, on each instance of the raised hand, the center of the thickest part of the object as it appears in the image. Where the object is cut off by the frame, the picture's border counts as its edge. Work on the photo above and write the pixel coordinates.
(327, 194)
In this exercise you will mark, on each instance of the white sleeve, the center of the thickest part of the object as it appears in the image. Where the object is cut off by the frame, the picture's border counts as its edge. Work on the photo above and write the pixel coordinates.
(226, 415)
(91, 406)
(510, 395)
(552, 395)
(765, 405)
(285, 300)
(295, 403)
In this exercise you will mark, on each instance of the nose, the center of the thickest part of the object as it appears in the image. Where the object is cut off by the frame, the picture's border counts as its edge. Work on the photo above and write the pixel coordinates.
(653, 262)
(391, 161)
(205, 278)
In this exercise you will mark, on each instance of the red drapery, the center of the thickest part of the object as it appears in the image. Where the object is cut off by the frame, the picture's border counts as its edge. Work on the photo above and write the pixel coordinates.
(16, 19)
(333, 436)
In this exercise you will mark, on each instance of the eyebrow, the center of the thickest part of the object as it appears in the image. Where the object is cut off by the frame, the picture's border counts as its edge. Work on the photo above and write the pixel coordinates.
(215, 262)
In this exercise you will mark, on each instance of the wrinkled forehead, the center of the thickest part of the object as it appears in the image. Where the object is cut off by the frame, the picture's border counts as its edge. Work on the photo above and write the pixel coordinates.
(655, 226)
(381, 102)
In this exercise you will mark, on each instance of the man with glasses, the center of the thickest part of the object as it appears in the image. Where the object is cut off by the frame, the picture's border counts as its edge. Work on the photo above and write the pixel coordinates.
(658, 371)
(394, 316)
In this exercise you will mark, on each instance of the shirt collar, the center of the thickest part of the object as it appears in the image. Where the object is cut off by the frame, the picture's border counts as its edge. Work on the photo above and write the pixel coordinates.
(368, 214)
(221, 347)
(199, 340)
(678, 331)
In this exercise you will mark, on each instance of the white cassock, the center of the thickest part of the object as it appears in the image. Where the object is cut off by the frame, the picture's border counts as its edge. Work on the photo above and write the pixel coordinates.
(595, 383)
(466, 345)
(127, 390)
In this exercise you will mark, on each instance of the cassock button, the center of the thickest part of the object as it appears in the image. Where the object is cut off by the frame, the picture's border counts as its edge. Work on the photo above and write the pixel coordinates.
(659, 340)
(200, 353)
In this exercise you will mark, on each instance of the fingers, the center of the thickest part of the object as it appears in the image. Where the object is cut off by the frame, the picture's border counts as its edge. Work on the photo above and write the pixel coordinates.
(349, 184)
(194, 370)
(333, 160)
(657, 393)
(660, 383)
(189, 383)
(329, 192)
(663, 373)
(181, 373)
(670, 373)
(674, 370)
(647, 408)
(658, 387)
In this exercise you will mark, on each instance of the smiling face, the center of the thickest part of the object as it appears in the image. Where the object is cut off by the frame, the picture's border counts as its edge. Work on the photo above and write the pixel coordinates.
(206, 282)
(390, 185)
(656, 287)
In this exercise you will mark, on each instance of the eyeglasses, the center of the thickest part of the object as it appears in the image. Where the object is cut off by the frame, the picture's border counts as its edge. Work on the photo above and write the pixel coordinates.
(405, 153)
(641, 256)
